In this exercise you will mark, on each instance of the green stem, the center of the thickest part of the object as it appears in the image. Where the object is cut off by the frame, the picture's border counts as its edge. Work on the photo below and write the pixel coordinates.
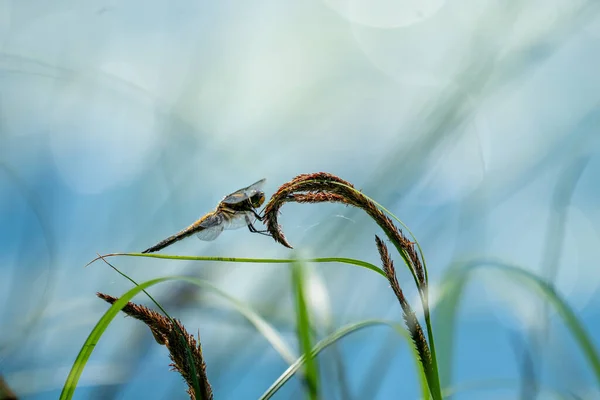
(435, 387)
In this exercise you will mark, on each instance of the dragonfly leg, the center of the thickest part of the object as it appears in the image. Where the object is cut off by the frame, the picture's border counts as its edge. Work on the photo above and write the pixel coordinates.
(254, 230)
(257, 215)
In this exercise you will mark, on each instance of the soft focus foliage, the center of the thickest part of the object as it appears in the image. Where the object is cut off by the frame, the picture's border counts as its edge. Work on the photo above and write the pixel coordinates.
(121, 122)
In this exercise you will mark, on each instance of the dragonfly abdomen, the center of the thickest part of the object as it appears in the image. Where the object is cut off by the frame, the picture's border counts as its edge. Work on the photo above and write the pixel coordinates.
(161, 245)
(190, 230)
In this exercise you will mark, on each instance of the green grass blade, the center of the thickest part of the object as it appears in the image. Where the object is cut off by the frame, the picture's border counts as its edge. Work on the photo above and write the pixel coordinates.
(96, 334)
(339, 334)
(385, 210)
(445, 324)
(342, 260)
(569, 316)
(195, 382)
(260, 324)
(304, 329)
(434, 378)
(350, 261)
(454, 284)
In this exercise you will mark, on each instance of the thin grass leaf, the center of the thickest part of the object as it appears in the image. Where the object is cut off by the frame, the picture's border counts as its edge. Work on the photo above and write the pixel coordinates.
(270, 334)
(182, 338)
(262, 326)
(529, 387)
(437, 390)
(341, 260)
(454, 285)
(410, 318)
(570, 318)
(185, 350)
(422, 379)
(406, 228)
(95, 335)
(304, 329)
(339, 334)
(446, 309)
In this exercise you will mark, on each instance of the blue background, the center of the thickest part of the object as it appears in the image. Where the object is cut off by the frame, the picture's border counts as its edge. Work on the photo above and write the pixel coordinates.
(122, 122)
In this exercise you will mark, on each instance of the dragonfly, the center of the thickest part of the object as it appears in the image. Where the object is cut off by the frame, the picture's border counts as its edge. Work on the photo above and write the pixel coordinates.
(235, 211)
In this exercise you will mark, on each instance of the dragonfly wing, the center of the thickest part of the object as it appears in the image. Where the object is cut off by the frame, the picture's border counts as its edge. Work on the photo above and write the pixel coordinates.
(211, 220)
(240, 195)
(209, 234)
(211, 227)
(239, 220)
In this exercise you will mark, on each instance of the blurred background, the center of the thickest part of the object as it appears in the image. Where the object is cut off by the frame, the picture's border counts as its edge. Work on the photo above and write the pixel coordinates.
(476, 122)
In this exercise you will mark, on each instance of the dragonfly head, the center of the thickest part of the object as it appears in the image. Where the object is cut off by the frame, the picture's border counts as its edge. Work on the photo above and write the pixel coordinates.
(257, 199)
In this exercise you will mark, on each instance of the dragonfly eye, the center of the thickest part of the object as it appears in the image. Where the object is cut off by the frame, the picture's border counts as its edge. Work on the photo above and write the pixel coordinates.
(257, 200)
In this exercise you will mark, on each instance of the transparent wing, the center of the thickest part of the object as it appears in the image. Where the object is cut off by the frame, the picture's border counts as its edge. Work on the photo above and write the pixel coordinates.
(211, 220)
(209, 234)
(245, 193)
(212, 227)
(239, 220)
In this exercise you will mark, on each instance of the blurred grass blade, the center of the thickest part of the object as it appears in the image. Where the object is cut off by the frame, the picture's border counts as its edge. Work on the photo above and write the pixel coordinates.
(261, 325)
(446, 310)
(6, 392)
(563, 309)
(304, 329)
(339, 334)
(454, 285)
